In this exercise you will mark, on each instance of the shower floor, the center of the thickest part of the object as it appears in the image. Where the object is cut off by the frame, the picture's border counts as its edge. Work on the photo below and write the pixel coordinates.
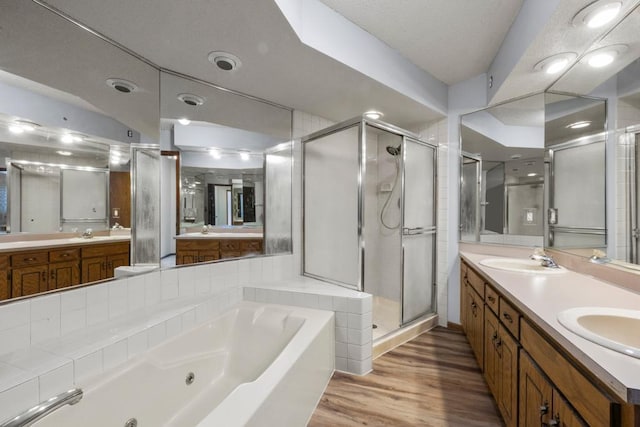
(386, 316)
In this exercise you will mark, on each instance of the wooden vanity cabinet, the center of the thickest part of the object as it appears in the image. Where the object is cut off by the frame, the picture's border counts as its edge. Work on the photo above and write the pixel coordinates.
(64, 268)
(472, 312)
(190, 251)
(29, 273)
(100, 262)
(5, 286)
(532, 380)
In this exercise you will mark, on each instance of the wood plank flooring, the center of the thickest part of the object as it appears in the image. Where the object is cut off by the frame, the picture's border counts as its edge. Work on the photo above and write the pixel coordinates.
(432, 380)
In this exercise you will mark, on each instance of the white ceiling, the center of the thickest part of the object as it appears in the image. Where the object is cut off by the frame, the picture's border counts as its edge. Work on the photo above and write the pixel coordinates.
(452, 40)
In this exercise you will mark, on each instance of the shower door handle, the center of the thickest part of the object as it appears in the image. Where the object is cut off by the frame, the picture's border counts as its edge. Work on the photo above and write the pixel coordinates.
(411, 231)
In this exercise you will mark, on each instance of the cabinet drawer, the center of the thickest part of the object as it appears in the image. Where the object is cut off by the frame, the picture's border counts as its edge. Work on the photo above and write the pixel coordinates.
(229, 245)
(197, 244)
(29, 258)
(230, 254)
(474, 280)
(96, 250)
(510, 317)
(491, 298)
(64, 255)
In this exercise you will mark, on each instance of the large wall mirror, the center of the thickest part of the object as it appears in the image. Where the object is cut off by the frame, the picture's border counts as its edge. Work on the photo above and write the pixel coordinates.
(227, 172)
(71, 107)
(533, 173)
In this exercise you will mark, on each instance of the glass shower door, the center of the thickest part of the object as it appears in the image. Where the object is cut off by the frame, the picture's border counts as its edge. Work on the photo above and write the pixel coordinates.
(418, 229)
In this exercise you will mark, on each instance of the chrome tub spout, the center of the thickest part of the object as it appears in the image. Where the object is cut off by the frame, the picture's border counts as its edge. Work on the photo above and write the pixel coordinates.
(41, 410)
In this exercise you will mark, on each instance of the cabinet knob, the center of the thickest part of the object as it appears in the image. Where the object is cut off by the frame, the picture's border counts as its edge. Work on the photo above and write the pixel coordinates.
(544, 408)
(492, 299)
(508, 317)
(44, 276)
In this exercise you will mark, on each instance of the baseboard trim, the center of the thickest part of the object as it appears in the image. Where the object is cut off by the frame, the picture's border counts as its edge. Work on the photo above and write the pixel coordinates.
(455, 326)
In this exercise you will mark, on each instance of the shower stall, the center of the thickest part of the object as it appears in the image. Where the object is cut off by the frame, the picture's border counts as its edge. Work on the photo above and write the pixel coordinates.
(370, 217)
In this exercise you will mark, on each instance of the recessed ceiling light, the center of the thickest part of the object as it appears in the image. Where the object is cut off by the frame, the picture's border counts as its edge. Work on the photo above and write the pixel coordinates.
(17, 129)
(122, 85)
(191, 99)
(579, 125)
(225, 61)
(374, 115)
(27, 126)
(604, 56)
(598, 13)
(215, 153)
(64, 153)
(66, 138)
(532, 174)
(556, 63)
(184, 121)
(244, 156)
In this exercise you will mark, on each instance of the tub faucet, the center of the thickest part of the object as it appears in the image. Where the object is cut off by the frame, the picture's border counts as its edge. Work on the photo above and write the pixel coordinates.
(547, 261)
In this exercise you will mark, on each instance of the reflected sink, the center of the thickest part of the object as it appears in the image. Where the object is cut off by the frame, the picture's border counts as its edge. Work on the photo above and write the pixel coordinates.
(520, 265)
(615, 328)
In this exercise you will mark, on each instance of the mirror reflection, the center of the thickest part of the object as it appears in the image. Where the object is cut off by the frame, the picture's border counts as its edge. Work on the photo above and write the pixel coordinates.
(233, 182)
(533, 173)
(65, 135)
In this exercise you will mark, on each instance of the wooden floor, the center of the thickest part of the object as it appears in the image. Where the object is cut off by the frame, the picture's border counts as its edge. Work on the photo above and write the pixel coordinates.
(432, 380)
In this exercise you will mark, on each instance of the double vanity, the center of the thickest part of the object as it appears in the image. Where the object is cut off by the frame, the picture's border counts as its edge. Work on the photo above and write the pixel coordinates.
(28, 267)
(556, 347)
(218, 243)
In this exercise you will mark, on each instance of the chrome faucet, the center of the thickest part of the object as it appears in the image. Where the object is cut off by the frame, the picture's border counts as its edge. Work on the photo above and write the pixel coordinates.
(27, 418)
(546, 260)
(88, 233)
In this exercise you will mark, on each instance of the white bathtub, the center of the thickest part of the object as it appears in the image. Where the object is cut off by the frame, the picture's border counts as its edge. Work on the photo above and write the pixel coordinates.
(255, 365)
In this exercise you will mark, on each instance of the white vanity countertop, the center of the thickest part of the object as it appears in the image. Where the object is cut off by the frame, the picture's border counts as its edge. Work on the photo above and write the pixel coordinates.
(542, 297)
(211, 235)
(48, 243)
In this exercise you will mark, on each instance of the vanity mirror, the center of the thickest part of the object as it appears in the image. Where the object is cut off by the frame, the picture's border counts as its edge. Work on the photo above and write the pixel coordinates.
(233, 192)
(66, 129)
(533, 172)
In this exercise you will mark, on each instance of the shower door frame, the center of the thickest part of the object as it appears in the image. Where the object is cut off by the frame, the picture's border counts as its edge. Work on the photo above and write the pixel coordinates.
(362, 123)
(633, 185)
(433, 230)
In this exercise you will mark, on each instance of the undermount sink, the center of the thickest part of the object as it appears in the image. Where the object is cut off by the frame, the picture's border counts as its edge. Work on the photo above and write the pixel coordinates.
(520, 265)
(614, 328)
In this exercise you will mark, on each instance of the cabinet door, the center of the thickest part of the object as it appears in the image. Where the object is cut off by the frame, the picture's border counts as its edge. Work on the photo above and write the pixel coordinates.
(63, 274)
(93, 269)
(186, 257)
(475, 316)
(5, 288)
(115, 261)
(491, 358)
(208, 255)
(535, 394)
(508, 378)
(29, 280)
(563, 414)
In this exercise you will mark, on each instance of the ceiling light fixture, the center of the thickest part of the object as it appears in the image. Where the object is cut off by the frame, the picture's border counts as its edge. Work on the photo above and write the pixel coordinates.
(67, 138)
(215, 153)
(27, 126)
(184, 121)
(604, 56)
(597, 14)
(64, 153)
(225, 61)
(373, 115)
(191, 99)
(244, 156)
(17, 129)
(122, 85)
(579, 125)
(555, 64)
(532, 174)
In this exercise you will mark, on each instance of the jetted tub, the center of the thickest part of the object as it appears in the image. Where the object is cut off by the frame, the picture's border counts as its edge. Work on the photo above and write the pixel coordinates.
(255, 365)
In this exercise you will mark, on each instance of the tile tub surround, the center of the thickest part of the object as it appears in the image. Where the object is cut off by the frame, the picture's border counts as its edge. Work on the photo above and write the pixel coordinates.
(50, 343)
(353, 315)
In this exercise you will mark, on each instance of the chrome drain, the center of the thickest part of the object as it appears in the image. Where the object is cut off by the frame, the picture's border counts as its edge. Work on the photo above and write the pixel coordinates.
(190, 378)
(131, 422)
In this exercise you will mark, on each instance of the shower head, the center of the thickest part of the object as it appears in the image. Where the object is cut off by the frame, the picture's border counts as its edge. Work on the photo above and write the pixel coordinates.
(394, 151)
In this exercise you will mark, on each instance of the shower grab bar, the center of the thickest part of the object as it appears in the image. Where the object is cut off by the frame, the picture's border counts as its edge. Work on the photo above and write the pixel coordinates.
(418, 230)
(42, 409)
